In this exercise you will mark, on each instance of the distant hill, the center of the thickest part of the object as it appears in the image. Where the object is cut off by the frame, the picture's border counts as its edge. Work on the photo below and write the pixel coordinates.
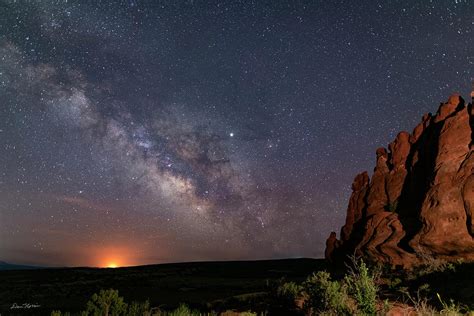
(10, 266)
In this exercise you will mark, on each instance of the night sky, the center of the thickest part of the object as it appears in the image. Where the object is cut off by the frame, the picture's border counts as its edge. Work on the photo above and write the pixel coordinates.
(136, 132)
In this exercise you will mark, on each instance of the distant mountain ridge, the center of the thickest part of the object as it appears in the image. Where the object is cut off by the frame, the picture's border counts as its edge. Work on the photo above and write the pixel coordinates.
(419, 202)
(11, 266)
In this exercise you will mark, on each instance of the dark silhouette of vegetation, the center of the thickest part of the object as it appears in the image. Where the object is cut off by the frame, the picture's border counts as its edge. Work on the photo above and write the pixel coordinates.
(106, 303)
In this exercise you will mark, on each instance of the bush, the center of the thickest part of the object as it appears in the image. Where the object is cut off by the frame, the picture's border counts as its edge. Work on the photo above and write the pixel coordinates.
(431, 264)
(355, 294)
(139, 309)
(183, 310)
(59, 313)
(394, 284)
(106, 303)
(325, 295)
(362, 286)
(288, 293)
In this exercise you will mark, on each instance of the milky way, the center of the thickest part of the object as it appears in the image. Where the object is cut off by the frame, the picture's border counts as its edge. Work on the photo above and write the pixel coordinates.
(149, 132)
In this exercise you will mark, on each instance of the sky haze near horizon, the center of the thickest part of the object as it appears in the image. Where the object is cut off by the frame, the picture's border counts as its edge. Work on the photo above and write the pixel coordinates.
(139, 132)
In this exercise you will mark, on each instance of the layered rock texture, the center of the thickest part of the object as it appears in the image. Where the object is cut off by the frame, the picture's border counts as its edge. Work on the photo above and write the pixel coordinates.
(420, 199)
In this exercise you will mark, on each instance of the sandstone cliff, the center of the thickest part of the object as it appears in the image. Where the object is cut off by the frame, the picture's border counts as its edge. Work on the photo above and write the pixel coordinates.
(420, 199)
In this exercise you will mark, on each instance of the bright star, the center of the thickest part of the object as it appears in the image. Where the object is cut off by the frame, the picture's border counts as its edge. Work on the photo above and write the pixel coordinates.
(231, 134)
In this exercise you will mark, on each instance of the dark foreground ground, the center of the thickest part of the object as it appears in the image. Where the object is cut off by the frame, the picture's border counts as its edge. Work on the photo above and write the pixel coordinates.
(219, 286)
(213, 285)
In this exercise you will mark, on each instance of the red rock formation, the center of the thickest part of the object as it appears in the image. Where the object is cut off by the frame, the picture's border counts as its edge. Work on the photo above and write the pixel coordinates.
(421, 196)
(331, 244)
(356, 204)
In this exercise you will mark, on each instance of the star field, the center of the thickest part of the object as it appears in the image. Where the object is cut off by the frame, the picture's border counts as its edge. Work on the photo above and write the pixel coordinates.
(164, 131)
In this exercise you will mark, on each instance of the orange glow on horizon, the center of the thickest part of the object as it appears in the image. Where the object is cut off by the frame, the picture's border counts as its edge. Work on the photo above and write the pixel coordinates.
(123, 254)
(112, 265)
(114, 261)
(113, 257)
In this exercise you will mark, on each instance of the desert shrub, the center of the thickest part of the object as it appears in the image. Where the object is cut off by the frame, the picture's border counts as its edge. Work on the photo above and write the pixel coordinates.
(431, 264)
(183, 310)
(282, 297)
(422, 307)
(59, 313)
(393, 284)
(288, 292)
(106, 303)
(386, 306)
(326, 296)
(139, 309)
(361, 283)
(233, 313)
(420, 304)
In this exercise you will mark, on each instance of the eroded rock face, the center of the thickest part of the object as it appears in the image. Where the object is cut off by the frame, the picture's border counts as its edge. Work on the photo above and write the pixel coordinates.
(357, 204)
(420, 199)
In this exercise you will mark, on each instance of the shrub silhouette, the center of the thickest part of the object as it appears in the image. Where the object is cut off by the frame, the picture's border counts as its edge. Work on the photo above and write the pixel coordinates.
(139, 309)
(183, 310)
(287, 293)
(106, 303)
(59, 313)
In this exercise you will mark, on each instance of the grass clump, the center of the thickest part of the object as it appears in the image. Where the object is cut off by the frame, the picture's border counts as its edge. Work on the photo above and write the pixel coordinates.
(451, 308)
